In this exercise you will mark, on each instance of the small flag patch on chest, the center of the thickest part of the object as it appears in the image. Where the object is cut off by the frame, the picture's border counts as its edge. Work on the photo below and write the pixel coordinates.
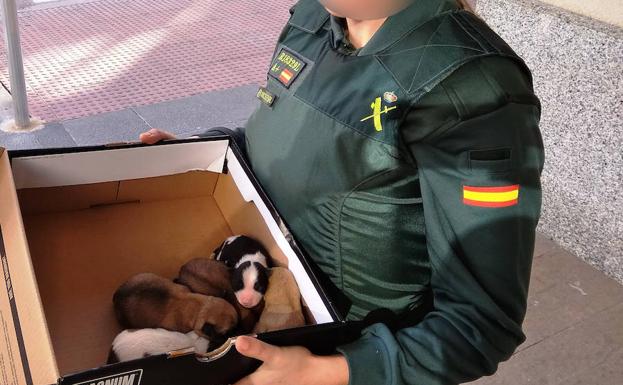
(285, 76)
(286, 67)
(501, 196)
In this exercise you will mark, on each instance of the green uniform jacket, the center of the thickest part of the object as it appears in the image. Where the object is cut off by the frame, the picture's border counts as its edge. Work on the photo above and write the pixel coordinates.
(409, 166)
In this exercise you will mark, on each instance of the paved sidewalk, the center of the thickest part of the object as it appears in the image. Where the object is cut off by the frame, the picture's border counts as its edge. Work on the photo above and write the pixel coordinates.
(183, 117)
(574, 325)
(87, 57)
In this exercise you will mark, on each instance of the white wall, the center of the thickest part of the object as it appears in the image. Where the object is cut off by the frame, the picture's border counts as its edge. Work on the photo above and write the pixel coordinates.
(577, 65)
(609, 11)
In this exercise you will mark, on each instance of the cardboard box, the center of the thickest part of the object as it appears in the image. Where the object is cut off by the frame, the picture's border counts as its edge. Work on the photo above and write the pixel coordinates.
(76, 223)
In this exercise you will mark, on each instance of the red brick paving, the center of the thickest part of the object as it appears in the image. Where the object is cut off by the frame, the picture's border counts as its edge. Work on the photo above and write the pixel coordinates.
(107, 55)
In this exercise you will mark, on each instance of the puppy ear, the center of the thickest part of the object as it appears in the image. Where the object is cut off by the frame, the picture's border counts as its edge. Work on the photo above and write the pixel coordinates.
(217, 251)
(267, 257)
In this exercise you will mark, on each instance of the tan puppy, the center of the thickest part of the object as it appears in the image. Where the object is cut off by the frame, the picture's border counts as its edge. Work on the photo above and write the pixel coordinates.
(149, 301)
(210, 277)
(282, 309)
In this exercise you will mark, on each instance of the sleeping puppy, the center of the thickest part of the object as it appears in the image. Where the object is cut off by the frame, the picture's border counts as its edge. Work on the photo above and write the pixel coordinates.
(149, 301)
(140, 343)
(282, 309)
(205, 276)
(249, 262)
(210, 277)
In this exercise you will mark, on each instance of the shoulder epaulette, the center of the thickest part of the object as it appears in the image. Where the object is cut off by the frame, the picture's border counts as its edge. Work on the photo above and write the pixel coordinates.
(431, 52)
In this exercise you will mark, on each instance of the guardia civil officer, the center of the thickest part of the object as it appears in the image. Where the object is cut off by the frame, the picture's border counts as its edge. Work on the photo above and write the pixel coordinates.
(405, 155)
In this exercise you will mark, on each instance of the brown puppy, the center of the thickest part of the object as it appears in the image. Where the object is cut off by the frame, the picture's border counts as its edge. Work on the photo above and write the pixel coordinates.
(205, 276)
(210, 277)
(149, 301)
(282, 309)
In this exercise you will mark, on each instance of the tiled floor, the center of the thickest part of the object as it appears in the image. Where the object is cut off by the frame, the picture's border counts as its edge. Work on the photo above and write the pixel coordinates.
(574, 325)
(85, 58)
(183, 117)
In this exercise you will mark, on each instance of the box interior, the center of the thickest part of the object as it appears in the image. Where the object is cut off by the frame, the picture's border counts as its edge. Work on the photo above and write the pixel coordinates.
(85, 239)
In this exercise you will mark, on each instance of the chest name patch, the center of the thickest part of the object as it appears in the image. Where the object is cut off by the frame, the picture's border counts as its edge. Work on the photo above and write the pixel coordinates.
(266, 97)
(286, 67)
(502, 196)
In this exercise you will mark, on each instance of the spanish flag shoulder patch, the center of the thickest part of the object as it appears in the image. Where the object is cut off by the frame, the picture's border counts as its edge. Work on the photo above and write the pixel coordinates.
(484, 196)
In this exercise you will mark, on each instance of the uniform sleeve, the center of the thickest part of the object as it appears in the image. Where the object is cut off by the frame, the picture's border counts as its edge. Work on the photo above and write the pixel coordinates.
(480, 182)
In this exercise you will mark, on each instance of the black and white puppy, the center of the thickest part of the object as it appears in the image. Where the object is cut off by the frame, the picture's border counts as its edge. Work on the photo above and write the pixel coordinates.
(249, 262)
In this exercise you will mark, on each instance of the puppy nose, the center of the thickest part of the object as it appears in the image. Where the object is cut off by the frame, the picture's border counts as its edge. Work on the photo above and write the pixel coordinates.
(246, 299)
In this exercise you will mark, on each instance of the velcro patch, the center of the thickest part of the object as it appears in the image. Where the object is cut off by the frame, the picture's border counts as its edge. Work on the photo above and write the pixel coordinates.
(266, 96)
(286, 67)
(500, 196)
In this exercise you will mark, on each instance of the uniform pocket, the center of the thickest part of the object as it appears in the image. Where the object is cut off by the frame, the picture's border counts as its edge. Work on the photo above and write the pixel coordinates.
(496, 160)
(382, 250)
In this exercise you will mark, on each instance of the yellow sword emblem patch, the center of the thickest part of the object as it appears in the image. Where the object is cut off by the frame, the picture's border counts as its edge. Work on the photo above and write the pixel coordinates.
(377, 112)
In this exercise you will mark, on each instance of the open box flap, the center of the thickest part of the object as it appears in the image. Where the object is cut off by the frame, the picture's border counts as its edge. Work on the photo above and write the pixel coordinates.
(223, 366)
(319, 307)
(76, 168)
(26, 350)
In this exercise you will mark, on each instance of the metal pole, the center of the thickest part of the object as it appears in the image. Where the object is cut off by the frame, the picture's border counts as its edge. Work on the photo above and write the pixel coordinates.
(16, 65)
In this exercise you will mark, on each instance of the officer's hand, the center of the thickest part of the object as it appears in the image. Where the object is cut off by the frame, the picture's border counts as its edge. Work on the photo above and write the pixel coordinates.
(155, 135)
(291, 365)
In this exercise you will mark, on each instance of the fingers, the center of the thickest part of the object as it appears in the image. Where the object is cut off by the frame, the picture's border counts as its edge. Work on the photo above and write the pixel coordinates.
(248, 380)
(254, 348)
(155, 135)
